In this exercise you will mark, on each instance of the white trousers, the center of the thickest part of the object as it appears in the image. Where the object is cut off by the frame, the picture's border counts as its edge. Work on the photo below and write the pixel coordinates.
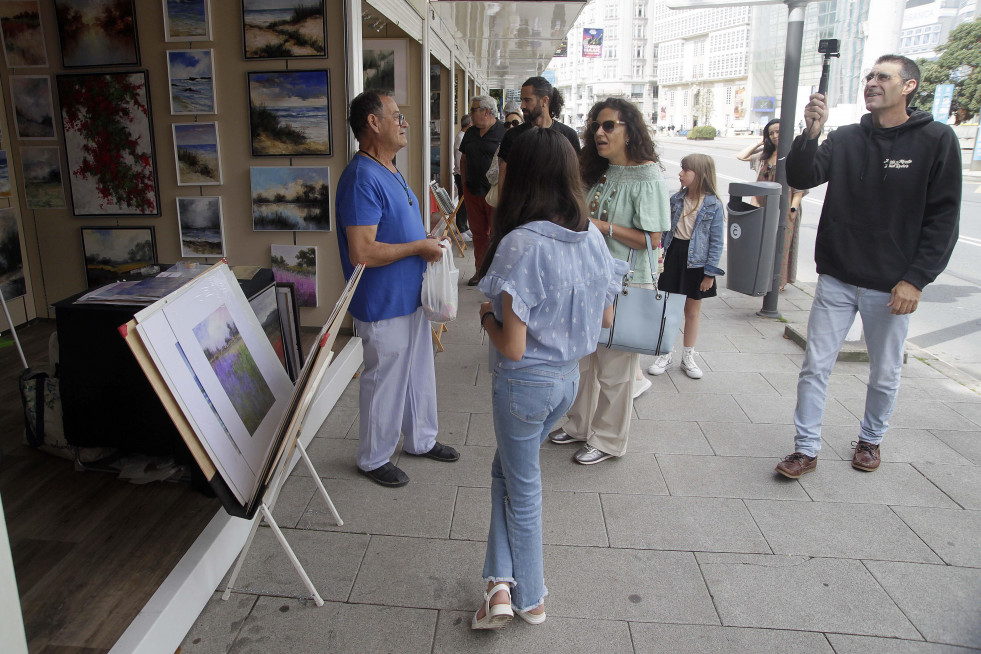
(398, 388)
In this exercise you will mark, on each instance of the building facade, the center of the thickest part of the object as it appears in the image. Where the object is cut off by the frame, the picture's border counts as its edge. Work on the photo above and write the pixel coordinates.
(927, 24)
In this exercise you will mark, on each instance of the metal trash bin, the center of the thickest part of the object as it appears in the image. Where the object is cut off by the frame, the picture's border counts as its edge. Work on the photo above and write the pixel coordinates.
(752, 237)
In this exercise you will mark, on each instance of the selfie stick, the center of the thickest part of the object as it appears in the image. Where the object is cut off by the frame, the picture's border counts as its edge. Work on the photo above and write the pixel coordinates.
(823, 84)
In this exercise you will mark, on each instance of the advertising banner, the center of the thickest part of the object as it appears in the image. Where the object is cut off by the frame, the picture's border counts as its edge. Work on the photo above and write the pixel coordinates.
(592, 43)
(942, 97)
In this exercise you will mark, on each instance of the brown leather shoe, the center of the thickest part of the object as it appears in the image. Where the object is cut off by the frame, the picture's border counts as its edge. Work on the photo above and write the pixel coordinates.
(473, 281)
(866, 456)
(797, 464)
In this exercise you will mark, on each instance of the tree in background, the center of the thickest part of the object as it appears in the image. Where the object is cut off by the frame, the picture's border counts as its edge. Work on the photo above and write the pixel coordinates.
(959, 63)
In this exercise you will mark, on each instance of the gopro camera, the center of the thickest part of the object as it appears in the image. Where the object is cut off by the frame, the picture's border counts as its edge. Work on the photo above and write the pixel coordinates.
(829, 47)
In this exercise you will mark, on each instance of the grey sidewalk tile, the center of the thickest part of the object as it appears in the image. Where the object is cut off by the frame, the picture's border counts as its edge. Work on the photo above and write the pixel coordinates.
(480, 431)
(717, 408)
(839, 384)
(475, 399)
(869, 645)
(858, 368)
(914, 368)
(753, 440)
(278, 625)
(631, 473)
(349, 397)
(747, 383)
(331, 561)
(801, 593)
(749, 362)
(925, 414)
(338, 422)
(421, 573)
(294, 497)
(635, 585)
(452, 427)
(942, 601)
(898, 446)
(682, 524)
(970, 410)
(848, 531)
(659, 383)
(216, 627)
(420, 509)
(893, 483)
(945, 390)
(733, 477)
(332, 457)
(473, 468)
(952, 533)
(555, 636)
(567, 518)
(961, 483)
(696, 639)
(763, 344)
(780, 410)
(667, 437)
(966, 443)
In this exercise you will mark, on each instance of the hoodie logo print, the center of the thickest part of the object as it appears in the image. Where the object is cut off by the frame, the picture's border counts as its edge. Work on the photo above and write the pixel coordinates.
(896, 163)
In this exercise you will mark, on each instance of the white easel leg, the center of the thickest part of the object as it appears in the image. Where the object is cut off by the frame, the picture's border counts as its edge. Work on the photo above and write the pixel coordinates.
(241, 559)
(289, 552)
(320, 484)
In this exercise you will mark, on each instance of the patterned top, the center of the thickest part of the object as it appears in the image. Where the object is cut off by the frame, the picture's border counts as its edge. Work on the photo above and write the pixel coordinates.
(559, 282)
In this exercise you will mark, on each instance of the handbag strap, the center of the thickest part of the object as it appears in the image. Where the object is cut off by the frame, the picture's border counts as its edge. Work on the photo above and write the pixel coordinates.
(650, 258)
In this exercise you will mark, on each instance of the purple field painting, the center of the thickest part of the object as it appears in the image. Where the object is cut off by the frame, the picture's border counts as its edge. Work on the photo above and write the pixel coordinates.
(235, 368)
(297, 264)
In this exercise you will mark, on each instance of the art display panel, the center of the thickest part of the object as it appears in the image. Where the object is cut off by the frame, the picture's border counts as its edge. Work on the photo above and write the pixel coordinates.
(97, 33)
(23, 37)
(386, 66)
(289, 112)
(111, 252)
(197, 153)
(192, 81)
(297, 265)
(201, 229)
(111, 160)
(290, 198)
(278, 29)
(33, 110)
(187, 20)
(42, 177)
(289, 317)
(12, 282)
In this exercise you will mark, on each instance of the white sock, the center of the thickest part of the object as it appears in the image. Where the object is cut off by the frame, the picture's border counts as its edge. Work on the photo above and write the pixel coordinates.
(690, 350)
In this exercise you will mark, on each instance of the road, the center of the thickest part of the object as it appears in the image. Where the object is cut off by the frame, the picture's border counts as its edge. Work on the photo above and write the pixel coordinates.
(948, 320)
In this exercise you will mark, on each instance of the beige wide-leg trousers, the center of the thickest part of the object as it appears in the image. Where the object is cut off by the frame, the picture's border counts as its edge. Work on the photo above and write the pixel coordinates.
(601, 413)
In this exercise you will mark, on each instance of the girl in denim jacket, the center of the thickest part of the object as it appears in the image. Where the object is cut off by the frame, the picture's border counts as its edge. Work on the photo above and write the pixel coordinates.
(693, 247)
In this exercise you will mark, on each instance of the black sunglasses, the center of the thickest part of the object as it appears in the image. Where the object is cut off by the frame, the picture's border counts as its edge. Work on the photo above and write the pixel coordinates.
(513, 123)
(607, 125)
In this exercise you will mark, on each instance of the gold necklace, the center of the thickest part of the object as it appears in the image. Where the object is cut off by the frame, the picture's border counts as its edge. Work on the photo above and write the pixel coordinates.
(398, 178)
(594, 204)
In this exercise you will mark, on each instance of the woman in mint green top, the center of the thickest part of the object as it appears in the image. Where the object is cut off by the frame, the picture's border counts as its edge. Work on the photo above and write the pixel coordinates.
(627, 198)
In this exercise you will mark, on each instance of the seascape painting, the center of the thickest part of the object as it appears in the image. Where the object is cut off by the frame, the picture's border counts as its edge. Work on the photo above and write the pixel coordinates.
(187, 20)
(267, 311)
(289, 112)
(297, 265)
(42, 177)
(192, 82)
(33, 111)
(23, 38)
(97, 33)
(276, 29)
(12, 282)
(196, 151)
(4, 175)
(111, 252)
(235, 367)
(385, 66)
(111, 163)
(200, 227)
(290, 198)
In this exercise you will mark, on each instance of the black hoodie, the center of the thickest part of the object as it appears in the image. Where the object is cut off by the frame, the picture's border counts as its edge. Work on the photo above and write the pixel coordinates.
(893, 201)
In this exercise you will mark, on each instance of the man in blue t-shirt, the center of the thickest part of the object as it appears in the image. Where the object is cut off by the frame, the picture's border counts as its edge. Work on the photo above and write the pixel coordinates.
(380, 225)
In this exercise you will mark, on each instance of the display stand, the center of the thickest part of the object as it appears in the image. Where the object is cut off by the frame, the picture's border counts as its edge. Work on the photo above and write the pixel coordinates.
(446, 208)
(438, 334)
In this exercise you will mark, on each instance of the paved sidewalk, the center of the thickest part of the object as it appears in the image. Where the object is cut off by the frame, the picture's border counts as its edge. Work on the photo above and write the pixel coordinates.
(689, 543)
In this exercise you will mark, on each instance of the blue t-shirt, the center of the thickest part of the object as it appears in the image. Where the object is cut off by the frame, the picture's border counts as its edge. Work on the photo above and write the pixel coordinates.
(370, 194)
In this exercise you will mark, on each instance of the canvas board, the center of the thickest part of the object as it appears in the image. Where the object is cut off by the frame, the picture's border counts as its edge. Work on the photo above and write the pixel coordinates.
(42, 177)
(201, 230)
(266, 309)
(289, 317)
(191, 74)
(23, 36)
(297, 265)
(289, 112)
(197, 153)
(277, 29)
(33, 110)
(290, 198)
(187, 20)
(385, 66)
(97, 33)
(110, 252)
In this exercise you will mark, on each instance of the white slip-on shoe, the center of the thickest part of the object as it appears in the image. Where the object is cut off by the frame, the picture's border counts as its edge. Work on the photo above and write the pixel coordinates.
(641, 386)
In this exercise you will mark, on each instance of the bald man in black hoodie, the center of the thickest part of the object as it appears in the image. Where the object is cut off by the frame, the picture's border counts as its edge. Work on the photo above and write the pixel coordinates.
(888, 227)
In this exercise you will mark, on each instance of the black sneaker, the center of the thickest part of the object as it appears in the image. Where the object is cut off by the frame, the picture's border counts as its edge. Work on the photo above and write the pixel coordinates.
(387, 475)
(440, 452)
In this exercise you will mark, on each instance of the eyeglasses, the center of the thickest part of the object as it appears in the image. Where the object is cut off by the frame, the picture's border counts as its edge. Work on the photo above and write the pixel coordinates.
(607, 125)
(881, 78)
(514, 123)
(400, 118)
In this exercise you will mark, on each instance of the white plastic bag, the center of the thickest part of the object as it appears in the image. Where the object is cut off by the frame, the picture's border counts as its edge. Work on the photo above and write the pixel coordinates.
(440, 294)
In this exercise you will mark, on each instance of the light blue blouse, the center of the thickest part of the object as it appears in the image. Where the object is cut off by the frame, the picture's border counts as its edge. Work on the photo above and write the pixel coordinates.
(559, 281)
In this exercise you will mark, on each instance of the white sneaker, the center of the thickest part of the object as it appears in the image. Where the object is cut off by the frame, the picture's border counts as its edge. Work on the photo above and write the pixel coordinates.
(640, 386)
(660, 365)
(689, 366)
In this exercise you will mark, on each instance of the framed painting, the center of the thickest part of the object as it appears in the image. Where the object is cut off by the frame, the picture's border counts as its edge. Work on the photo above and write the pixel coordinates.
(197, 155)
(42, 177)
(385, 65)
(23, 38)
(267, 311)
(201, 227)
(12, 282)
(97, 33)
(290, 198)
(277, 29)
(191, 74)
(289, 112)
(33, 110)
(187, 20)
(111, 252)
(4, 175)
(297, 265)
(111, 161)
(289, 318)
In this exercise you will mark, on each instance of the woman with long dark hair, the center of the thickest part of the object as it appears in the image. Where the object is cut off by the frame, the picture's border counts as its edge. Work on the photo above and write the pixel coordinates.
(549, 277)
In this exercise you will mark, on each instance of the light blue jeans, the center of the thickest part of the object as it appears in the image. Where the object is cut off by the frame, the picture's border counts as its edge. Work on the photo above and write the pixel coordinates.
(527, 403)
(832, 313)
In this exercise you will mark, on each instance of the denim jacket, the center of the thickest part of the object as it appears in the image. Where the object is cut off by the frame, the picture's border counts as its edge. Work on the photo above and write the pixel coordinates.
(707, 236)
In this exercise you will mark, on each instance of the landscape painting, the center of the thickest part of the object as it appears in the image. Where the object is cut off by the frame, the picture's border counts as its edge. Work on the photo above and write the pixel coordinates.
(42, 177)
(4, 175)
(187, 20)
(12, 283)
(297, 265)
(111, 163)
(113, 251)
(23, 38)
(196, 151)
(200, 227)
(276, 29)
(290, 198)
(97, 33)
(235, 367)
(385, 66)
(267, 311)
(192, 81)
(33, 111)
(289, 112)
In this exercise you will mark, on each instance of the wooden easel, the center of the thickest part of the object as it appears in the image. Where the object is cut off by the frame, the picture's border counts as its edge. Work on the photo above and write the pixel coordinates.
(446, 208)
(438, 334)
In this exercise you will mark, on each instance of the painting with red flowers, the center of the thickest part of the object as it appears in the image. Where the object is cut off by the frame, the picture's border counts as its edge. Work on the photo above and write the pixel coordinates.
(109, 142)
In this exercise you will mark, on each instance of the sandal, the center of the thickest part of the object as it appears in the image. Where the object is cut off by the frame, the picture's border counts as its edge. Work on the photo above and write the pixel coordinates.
(532, 618)
(495, 616)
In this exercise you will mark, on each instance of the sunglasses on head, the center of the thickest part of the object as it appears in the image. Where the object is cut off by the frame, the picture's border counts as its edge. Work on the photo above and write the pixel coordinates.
(607, 125)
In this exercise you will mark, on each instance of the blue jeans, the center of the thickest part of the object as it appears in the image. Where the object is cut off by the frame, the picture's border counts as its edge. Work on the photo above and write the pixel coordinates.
(832, 313)
(527, 403)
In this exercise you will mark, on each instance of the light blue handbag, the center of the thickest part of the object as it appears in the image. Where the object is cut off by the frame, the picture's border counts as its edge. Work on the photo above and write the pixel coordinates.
(645, 320)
